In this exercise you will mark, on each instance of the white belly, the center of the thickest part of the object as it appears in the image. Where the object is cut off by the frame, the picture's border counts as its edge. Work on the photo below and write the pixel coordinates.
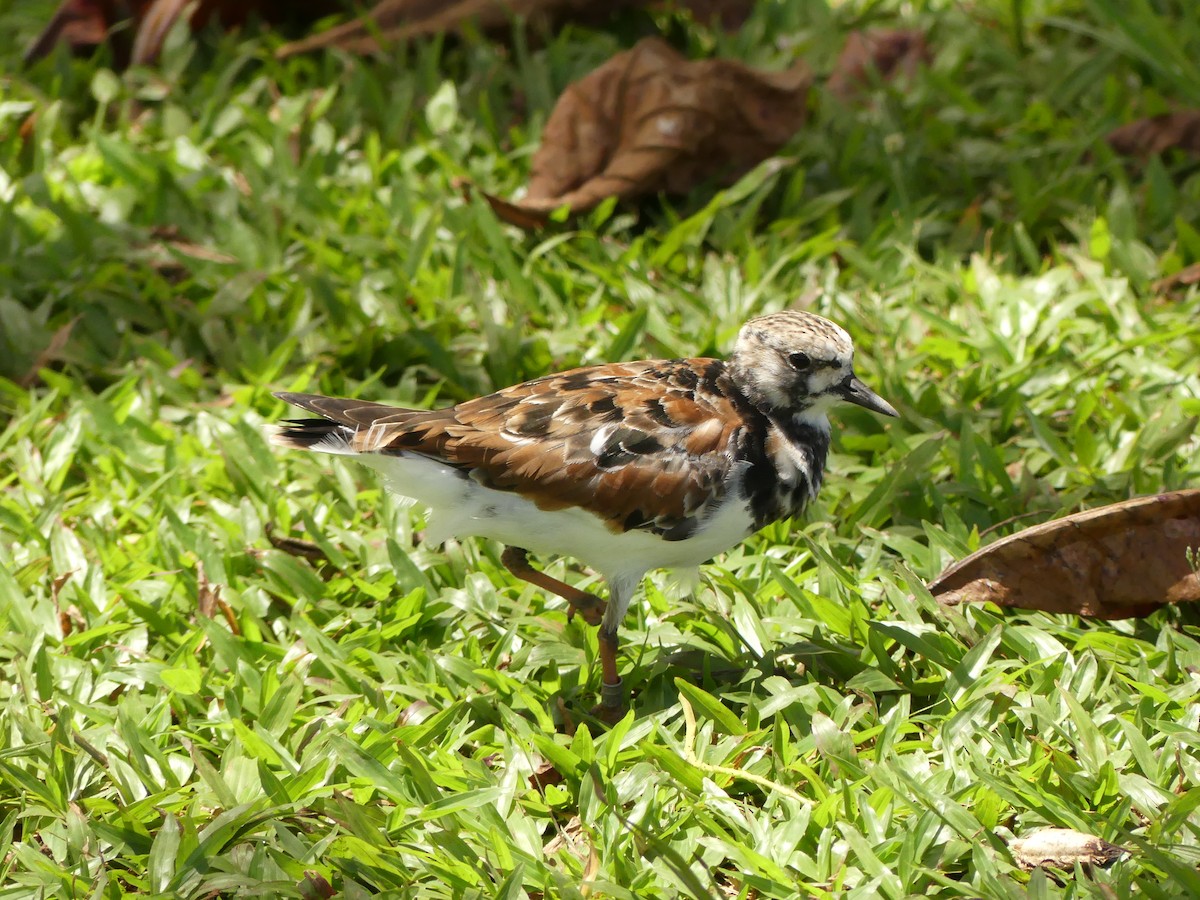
(460, 507)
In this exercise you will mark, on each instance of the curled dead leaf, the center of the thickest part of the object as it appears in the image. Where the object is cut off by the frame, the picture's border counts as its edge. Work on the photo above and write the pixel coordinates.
(1113, 562)
(649, 120)
(544, 774)
(730, 14)
(883, 53)
(207, 594)
(314, 886)
(416, 713)
(1185, 277)
(515, 214)
(167, 254)
(80, 24)
(567, 721)
(1061, 848)
(394, 21)
(1155, 135)
(295, 546)
(52, 352)
(572, 838)
(316, 557)
(84, 25)
(209, 600)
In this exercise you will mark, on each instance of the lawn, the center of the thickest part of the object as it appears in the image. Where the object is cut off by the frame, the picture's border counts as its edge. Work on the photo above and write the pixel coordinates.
(190, 708)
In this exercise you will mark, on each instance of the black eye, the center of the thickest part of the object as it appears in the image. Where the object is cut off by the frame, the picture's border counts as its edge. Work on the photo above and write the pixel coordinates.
(799, 361)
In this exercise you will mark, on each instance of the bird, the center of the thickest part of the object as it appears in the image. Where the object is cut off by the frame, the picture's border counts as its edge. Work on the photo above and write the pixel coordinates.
(626, 467)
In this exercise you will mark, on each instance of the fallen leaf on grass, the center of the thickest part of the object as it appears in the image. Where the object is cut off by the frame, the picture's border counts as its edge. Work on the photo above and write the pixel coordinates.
(1183, 278)
(881, 54)
(649, 120)
(296, 546)
(572, 838)
(395, 21)
(1114, 562)
(544, 774)
(730, 14)
(80, 24)
(206, 594)
(163, 254)
(1061, 848)
(314, 886)
(415, 713)
(50, 353)
(209, 600)
(1145, 138)
(316, 557)
(84, 25)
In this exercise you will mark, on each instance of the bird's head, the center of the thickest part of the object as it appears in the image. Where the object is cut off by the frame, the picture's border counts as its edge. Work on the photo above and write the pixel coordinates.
(796, 364)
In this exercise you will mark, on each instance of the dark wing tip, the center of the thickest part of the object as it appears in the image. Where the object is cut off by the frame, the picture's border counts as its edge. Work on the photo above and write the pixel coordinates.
(310, 402)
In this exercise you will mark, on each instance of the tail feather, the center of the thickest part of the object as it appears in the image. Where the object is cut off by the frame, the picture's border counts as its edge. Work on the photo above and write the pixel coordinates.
(341, 419)
(313, 434)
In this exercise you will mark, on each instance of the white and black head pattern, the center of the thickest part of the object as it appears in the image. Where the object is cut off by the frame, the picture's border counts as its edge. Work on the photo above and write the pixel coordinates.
(798, 364)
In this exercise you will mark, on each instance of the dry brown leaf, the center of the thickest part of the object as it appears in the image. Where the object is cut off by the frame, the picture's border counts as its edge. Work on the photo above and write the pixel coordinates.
(317, 557)
(571, 837)
(85, 24)
(296, 546)
(209, 600)
(82, 25)
(568, 725)
(514, 213)
(1061, 848)
(394, 21)
(883, 54)
(544, 774)
(416, 713)
(1114, 562)
(51, 352)
(1145, 138)
(1185, 277)
(649, 120)
(314, 886)
(207, 595)
(731, 14)
(163, 255)
(154, 26)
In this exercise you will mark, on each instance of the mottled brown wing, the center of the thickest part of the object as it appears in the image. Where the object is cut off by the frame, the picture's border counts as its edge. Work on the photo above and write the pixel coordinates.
(635, 443)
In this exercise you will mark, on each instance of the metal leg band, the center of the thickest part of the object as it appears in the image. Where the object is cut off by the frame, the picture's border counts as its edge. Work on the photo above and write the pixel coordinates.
(612, 696)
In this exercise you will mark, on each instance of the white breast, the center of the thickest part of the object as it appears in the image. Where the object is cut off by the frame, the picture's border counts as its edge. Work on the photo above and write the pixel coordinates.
(461, 507)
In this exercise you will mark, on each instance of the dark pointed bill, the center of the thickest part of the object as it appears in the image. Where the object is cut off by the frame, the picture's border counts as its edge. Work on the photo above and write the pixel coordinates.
(857, 392)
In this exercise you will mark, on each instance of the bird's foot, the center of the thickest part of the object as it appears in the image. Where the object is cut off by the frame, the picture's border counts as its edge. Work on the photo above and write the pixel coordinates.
(589, 606)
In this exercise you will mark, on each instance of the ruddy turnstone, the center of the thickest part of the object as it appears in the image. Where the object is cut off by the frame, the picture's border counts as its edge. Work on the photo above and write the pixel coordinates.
(626, 467)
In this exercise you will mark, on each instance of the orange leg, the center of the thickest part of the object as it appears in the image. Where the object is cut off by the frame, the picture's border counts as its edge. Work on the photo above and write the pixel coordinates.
(587, 605)
(612, 688)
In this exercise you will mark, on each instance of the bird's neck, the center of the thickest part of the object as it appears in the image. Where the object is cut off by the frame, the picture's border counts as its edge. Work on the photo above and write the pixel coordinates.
(809, 426)
(786, 456)
(807, 433)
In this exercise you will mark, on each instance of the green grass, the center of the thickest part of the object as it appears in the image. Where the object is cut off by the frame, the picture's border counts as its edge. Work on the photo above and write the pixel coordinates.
(807, 721)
